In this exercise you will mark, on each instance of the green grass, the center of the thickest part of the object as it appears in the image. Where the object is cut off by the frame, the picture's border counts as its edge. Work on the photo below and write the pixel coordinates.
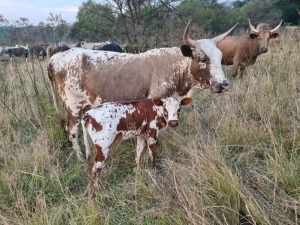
(237, 151)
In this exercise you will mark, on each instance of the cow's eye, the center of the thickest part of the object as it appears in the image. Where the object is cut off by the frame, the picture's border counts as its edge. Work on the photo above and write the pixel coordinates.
(203, 60)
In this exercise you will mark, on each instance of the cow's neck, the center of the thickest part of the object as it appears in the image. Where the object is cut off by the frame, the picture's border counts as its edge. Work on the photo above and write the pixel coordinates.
(185, 79)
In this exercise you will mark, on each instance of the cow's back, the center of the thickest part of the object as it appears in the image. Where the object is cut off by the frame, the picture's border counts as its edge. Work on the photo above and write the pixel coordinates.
(94, 77)
(233, 47)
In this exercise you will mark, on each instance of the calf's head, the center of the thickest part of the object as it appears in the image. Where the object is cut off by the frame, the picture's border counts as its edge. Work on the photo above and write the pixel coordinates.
(206, 61)
(263, 35)
(171, 107)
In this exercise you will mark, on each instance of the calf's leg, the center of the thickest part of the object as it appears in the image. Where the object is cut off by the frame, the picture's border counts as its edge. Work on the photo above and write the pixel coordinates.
(140, 145)
(99, 159)
(151, 143)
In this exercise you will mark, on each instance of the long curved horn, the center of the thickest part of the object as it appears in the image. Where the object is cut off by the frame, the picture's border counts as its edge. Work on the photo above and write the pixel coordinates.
(276, 28)
(252, 28)
(186, 38)
(222, 36)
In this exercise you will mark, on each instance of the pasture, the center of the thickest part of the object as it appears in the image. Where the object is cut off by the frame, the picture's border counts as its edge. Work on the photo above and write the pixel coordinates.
(233, 152)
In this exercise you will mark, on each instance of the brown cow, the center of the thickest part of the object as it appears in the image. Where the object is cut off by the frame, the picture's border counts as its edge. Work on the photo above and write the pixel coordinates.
(243, 51)
(113, 121)
(85, 78)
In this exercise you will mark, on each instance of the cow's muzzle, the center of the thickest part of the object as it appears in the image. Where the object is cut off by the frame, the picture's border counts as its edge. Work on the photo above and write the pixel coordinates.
(220, 87)
(263, 50)
(173, 123)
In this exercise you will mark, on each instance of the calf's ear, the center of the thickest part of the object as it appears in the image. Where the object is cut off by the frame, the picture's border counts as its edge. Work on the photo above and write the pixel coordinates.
(186, 101)
(186, 50)
(274, 35)
(157, 102)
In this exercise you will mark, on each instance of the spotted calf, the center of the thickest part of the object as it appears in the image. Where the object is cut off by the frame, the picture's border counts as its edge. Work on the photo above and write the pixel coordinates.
(121, 120)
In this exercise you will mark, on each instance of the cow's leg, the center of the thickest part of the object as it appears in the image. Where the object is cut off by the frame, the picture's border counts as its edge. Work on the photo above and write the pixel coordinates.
(235, 67)
(242, 69)
(140, 145)
(100, 156)
(73, 132)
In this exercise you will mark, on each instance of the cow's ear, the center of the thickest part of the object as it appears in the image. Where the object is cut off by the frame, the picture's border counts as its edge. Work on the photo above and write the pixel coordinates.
(253, 35)
(274, 35)
(157, 102)
(186, 50)
(186, 101)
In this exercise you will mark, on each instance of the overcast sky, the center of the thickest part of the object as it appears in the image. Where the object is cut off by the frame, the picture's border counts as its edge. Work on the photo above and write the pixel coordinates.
(38, 10)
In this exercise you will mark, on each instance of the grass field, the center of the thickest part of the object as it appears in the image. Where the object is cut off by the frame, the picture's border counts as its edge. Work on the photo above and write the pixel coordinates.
(233, 153)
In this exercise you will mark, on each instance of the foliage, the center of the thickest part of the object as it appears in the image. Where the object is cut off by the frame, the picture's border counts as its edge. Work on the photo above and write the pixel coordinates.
(210, 16)
(95, 22)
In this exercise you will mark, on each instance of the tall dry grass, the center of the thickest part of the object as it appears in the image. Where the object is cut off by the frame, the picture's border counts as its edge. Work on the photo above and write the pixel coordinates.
(233, 153)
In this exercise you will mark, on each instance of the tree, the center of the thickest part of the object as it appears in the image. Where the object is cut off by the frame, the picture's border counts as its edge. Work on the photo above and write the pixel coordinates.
(95, 22)
(57, 27)
(209, 15)
(140, 24)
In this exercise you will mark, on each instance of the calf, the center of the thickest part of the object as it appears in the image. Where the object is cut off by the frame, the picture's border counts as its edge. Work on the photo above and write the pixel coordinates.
(121, 120)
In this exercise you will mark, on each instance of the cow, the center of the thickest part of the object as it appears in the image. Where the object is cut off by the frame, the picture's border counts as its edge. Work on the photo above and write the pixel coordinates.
(94, 46)
(243, 51)
(77, 44)
(113, 121)
(39, 50)
(55, 48)
(112, 47)
(85, 78)
(16, 51)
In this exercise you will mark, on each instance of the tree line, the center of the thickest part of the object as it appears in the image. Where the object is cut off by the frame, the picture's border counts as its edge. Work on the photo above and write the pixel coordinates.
(143, 24)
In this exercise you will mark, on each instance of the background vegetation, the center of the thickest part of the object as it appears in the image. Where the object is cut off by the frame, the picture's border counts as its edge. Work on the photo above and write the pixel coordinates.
(234, 154)
(144, 24)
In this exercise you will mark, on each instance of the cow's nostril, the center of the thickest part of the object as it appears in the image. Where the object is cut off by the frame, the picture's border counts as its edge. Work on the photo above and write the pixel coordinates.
(264, 50)
(225, 85)
(173, 123)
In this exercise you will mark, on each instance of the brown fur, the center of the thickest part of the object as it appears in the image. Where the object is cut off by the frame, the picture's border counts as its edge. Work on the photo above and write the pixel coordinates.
(243, 51)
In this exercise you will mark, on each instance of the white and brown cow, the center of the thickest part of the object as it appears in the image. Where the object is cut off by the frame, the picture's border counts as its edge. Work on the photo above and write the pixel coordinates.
(17, 51)
(113, 121)
(86, 78)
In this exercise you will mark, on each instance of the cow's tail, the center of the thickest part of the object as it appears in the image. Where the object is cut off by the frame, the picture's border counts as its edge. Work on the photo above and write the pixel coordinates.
(84, 123)
(52, 87)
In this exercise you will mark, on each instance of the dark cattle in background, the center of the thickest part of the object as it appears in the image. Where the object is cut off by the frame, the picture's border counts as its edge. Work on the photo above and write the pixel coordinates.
(53, 49)
(84, 79)
(243, 51)
(17, 51)
(39, 50)
(112, 48)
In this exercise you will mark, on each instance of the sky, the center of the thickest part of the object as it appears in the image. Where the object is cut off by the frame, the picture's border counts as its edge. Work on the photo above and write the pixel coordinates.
(38, 10)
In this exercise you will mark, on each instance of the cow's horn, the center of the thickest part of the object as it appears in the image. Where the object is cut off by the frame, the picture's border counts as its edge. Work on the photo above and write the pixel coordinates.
(252, 28)
(222, 36)
(186, 38)
(276, 28)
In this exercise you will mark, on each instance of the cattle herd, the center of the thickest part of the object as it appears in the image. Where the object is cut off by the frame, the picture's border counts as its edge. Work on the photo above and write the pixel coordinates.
(116, 95)
(47, 50)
